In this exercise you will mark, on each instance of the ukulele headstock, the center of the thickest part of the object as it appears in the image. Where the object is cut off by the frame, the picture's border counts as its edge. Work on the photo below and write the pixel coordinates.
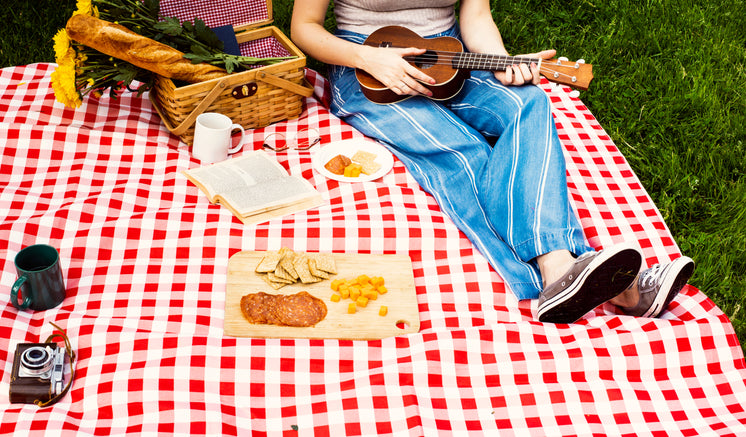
(576, 74)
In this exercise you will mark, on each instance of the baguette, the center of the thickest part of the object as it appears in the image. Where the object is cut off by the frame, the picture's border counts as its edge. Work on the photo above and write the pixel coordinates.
(118, 41)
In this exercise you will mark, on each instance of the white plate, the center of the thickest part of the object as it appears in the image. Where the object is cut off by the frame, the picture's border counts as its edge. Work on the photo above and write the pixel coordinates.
(348, 148)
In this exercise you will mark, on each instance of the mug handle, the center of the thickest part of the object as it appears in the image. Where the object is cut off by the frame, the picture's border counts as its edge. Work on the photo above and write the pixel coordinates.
(14, 294)
(240, 144)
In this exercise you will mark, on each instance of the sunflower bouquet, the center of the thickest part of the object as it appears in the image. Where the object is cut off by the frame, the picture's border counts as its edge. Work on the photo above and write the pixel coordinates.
(119, 44)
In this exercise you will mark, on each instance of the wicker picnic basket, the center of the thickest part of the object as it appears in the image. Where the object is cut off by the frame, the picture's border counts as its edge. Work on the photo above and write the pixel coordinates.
(253, 98)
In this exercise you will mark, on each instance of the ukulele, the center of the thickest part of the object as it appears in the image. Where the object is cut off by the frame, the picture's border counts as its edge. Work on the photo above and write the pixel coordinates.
(447, 63)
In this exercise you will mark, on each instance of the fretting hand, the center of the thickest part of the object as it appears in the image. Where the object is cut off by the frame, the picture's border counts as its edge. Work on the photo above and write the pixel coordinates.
(521, 74)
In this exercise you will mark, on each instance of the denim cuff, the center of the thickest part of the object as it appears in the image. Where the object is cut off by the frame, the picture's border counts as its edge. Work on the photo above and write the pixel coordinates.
(566, 239)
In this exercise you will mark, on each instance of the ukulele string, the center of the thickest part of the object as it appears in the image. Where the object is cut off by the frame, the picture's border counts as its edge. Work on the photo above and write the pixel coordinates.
(549, 72)
(501, 63)
(466, 59)
(492, 62)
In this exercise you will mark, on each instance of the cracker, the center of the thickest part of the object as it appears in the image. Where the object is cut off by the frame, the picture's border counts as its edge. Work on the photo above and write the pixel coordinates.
(367, 161)
(268, 262)
(287, 263)
(304, 272)
(325, 262)
(315, 270)
(275, 278)
(275, 285)
(370, 167)
(290, 267)
(362, 156)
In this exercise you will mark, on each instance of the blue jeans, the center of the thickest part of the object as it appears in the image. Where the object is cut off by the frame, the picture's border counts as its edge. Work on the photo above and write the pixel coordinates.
(491, 158)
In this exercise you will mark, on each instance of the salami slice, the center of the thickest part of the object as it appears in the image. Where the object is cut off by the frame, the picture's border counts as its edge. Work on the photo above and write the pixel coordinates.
(300, 309)
(259, 308)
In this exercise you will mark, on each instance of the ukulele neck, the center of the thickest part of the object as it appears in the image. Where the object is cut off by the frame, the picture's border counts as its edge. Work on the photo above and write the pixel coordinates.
(480, 61)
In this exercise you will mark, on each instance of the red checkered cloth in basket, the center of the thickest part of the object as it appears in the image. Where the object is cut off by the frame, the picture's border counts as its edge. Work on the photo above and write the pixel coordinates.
(217, 13)
(145, 254)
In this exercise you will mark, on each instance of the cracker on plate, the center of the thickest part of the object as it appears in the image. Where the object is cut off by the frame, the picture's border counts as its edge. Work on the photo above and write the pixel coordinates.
(363, 156)
(367, 161)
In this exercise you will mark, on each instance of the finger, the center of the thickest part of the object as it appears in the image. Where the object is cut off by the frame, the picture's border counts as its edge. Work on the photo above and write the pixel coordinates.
(508, 76)
(525, 72)
(404, 86)
(405, 89)
(536, 76)
(518, 75)
(547, 54)
(396, 84)
(415, 86)
(418, 75)
(410, 69)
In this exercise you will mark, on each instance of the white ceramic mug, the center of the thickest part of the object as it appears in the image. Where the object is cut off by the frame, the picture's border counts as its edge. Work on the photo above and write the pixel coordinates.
(212, 137)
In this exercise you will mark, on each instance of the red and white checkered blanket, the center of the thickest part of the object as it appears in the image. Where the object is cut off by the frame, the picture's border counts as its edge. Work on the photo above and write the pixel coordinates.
(145, 253)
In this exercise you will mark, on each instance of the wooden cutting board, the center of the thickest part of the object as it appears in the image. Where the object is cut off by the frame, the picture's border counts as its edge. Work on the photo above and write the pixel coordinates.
(401, 299)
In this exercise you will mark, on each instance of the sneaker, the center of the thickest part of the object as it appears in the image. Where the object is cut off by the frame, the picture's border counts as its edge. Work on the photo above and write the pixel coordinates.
(594, 278)
(659, 285)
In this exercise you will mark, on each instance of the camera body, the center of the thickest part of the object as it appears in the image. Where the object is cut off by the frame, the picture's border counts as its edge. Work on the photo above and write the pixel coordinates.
(38, 372)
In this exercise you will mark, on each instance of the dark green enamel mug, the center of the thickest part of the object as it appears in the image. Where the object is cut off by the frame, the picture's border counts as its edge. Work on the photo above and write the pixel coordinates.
(40, 285)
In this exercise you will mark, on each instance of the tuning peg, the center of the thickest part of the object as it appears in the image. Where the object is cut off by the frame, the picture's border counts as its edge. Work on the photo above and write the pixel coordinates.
(580, 61)
(563, 59)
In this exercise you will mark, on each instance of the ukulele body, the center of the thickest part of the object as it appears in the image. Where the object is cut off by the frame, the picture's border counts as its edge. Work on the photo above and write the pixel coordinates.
(448, 79)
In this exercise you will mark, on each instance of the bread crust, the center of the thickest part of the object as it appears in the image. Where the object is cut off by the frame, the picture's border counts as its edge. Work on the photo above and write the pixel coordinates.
(118, 41)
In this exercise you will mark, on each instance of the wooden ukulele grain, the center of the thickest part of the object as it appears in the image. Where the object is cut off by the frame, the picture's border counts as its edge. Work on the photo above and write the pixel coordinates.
(448, 79)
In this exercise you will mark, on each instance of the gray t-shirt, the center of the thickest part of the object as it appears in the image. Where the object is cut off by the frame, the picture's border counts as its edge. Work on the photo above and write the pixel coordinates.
(425, 17)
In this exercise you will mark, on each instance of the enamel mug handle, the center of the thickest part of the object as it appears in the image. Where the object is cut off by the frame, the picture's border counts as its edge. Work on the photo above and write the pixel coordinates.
(14, 294)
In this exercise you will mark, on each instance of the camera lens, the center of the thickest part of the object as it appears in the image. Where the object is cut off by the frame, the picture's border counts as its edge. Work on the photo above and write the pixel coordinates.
(36, 360)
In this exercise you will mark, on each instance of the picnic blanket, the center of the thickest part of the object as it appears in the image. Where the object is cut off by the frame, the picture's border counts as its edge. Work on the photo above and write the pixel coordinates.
(145, 255)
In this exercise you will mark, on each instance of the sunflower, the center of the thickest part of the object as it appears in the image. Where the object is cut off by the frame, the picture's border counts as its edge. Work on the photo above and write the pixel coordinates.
(63, 83)
(86, 7)
(64, 76)
(62, 46)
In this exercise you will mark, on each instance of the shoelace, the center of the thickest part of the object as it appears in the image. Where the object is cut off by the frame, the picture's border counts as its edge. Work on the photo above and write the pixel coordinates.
(651, 276)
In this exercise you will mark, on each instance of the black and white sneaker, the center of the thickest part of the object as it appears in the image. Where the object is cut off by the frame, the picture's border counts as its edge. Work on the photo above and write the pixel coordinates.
(659, 285)
(594, 278)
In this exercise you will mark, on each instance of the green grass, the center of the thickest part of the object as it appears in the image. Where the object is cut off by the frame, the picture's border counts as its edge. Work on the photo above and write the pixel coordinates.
(669, 90)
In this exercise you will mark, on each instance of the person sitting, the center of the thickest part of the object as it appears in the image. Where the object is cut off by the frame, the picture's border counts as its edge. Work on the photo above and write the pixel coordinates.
(489, 155)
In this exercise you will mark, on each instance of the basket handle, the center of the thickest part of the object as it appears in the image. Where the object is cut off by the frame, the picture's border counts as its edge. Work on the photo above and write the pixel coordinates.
(192, 117)
(285, 84)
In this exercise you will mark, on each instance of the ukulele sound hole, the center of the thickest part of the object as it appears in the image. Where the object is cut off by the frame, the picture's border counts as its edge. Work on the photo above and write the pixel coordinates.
(426, 60)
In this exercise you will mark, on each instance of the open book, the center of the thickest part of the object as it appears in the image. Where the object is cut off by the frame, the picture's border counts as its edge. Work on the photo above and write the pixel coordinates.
(254, 187)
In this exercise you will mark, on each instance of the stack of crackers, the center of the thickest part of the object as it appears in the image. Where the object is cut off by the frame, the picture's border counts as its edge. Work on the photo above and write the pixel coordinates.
(285, 266)
(367, 161)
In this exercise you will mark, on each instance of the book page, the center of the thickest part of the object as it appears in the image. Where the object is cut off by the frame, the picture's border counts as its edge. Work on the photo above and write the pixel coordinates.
(269, 194)
(239, 172)
(251, 184)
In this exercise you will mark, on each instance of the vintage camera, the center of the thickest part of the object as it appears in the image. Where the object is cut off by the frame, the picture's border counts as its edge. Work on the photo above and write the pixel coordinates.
(38, 373)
